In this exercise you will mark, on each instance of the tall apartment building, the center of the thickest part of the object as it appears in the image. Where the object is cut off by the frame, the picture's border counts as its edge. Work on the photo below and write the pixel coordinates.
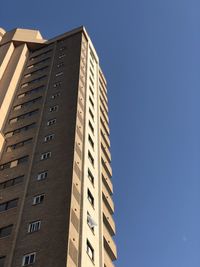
(55, 176)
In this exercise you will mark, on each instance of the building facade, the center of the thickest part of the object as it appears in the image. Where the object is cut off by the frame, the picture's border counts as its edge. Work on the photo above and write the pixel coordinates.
(55, 176)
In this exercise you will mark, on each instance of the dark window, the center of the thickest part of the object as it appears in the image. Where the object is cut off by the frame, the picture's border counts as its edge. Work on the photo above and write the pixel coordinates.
(57, 84)
(42, 175)
(91, 141)
(38, 62)
(49, 137)
(90, 157)
(90, 197)
(91, 90)
(91, 127)
(24, 116)
(51, 122)
(45, 155)
(12, 182)
(34, 90)
(20, 144)
(28, 259)
(34, 81)
(36, 71)
(92, 103)
(40, 54)
(6, 231)
(8, 205)
(2, 261)
(90, 250)
(38, 199)
(21, 129)
(91, 114)
(90, 176)
(54, 108)
(34, 226)
(25, 104)
(23, 159)
(55, 95)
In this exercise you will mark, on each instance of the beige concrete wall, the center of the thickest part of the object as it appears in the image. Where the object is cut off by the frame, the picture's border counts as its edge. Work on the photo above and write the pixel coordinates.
(10, 80)
(5, 55)
(22, 35)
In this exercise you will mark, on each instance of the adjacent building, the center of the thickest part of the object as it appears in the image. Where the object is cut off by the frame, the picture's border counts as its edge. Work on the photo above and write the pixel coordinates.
(56, 189)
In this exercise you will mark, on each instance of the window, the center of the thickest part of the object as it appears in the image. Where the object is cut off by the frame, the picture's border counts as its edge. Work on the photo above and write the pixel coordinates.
(91, 223)
(90, 250)
(42, 175)
(90, 176)
(55, 95)
(28, 259)
(2, 261)
(34, 226)
(91, 114)
(33, 81)
(6, 231)
(48, 137)
(25, 104)
(51, 122)
(53, 109)
(8, 205)
(21, 129)
(62, 48)
(13, 163)
(34, 90)
(90, 198)
(92, 73)
(59, 74)
(20, 144)
(91, 63)
(62, 55)
(45, 155)
(17, 107)
(91, 90)
(91, 141)
(91, 127)
(40, 54)
(38, 199)
(11, 182)
(35, 71)
(91, 81)
(90, 157)
(23, 116)
(92, 103)
(57, 84)
(38, 62)
(59, 65)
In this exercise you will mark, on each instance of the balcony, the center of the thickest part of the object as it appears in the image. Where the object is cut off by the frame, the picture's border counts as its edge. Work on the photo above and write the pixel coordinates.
(108, 220)
(105, 137)
(107, 182)
(107, 199)
(107, 260)
(106, 165)
(109, 245)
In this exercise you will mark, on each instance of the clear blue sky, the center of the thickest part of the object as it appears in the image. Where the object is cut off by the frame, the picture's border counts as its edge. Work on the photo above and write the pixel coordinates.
(150, 53)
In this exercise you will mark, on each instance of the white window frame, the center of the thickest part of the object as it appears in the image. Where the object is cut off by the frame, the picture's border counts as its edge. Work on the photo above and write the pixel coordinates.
(90, 250)
(45, 155)
(48, 137)
(34, 226)
(54, 108)
(51, 122)
(37, 199)
(32, 254)
(42, 175)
